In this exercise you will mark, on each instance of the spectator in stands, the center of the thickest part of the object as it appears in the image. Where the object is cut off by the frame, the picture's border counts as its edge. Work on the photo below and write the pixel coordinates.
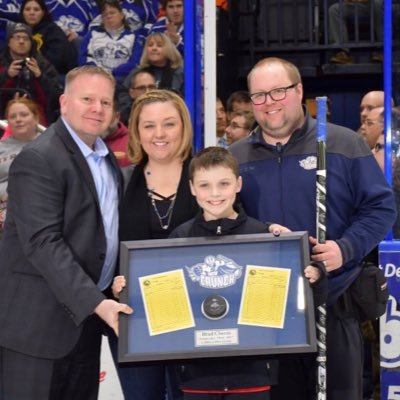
(238, 101)
(113, 45)
(370, 101)
(172, 23)
(240, 125)
(139, 14)
(142, 81)
(221, 124)
(338, 15)
(22, 116)
(373, 126)
(116, 138)
(8, 12)
(162, 58)
(51, 40)
(73, 17)
(24, 71)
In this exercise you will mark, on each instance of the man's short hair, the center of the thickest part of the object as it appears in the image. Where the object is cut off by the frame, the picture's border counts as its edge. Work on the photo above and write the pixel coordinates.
(240, 96)
(138, 71)
(87, 70)
(248, 116)
(164, 3)
(291, 70)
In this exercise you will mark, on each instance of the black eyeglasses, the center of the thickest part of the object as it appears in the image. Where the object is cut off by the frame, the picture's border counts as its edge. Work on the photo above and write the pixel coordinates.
(277, 94)
(143, 88)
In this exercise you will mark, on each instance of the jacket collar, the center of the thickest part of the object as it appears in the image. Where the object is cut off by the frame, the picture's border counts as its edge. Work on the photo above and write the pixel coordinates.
(62, 132)
(256, 137)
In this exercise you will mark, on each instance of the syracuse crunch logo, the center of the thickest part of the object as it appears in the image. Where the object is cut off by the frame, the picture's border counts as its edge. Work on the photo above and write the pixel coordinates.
(215, 272)
(309, 163)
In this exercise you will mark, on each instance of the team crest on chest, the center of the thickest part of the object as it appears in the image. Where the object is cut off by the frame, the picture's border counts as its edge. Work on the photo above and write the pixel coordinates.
(309, 163)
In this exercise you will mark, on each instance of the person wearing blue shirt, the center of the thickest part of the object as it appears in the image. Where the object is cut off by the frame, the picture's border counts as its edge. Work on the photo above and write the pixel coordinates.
(59, 250)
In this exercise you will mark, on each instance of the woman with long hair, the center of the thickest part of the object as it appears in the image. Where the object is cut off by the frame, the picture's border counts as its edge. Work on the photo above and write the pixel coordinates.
(161, 57)
(157, 199)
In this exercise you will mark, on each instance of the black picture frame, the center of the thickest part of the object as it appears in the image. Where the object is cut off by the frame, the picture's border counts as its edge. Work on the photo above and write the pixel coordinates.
(271, 268)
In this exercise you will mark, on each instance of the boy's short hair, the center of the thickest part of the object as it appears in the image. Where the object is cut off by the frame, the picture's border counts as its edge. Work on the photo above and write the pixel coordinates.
(213, 156)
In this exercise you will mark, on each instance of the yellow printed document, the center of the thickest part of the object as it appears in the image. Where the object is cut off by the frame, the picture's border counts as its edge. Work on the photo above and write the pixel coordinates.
(166, 302)
(264, 296)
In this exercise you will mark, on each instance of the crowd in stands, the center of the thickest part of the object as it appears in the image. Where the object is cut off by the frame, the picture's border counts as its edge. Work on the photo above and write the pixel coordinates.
(41, 40)
(25, 71)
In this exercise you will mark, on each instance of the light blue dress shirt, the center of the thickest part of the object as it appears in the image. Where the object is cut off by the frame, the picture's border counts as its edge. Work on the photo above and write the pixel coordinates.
(107, 190)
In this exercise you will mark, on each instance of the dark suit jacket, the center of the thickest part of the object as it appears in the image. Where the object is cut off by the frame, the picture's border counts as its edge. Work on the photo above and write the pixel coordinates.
(53, 247)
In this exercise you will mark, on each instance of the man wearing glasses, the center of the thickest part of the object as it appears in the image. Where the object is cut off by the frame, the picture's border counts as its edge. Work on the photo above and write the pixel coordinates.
(278, 167)
(142, 81)
(373, 126)
(25, 71)
(239, 125)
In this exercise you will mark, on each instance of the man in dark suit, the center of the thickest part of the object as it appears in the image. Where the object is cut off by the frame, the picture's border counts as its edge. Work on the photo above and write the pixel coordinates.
(59, 250)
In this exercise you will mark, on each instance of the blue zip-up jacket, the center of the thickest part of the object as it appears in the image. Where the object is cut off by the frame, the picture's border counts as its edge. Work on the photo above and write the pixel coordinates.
(279, 184)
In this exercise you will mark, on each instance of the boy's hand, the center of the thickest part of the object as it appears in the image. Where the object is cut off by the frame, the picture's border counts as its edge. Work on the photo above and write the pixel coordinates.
(277, 229)
(118, 285)
(312, 273)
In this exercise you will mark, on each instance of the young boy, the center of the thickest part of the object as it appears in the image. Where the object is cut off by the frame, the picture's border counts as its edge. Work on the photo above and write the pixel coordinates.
(215, 182)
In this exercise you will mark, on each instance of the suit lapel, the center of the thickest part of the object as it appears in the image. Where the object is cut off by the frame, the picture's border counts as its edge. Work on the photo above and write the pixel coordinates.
(77, 157)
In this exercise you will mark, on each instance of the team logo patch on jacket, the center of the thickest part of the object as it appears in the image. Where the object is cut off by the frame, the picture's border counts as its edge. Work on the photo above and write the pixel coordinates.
(309, 163)
(215, 272)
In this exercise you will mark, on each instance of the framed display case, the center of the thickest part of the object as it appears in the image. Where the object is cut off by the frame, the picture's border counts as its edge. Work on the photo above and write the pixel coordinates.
(216, 297)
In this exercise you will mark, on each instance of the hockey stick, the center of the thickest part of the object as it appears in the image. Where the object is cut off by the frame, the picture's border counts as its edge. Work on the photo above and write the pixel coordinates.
(321, 238)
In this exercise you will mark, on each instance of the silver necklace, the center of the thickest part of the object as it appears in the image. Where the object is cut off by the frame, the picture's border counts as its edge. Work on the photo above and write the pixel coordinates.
(165, 219)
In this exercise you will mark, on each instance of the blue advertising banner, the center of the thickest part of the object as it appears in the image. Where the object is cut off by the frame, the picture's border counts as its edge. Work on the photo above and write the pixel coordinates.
(389, 259)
